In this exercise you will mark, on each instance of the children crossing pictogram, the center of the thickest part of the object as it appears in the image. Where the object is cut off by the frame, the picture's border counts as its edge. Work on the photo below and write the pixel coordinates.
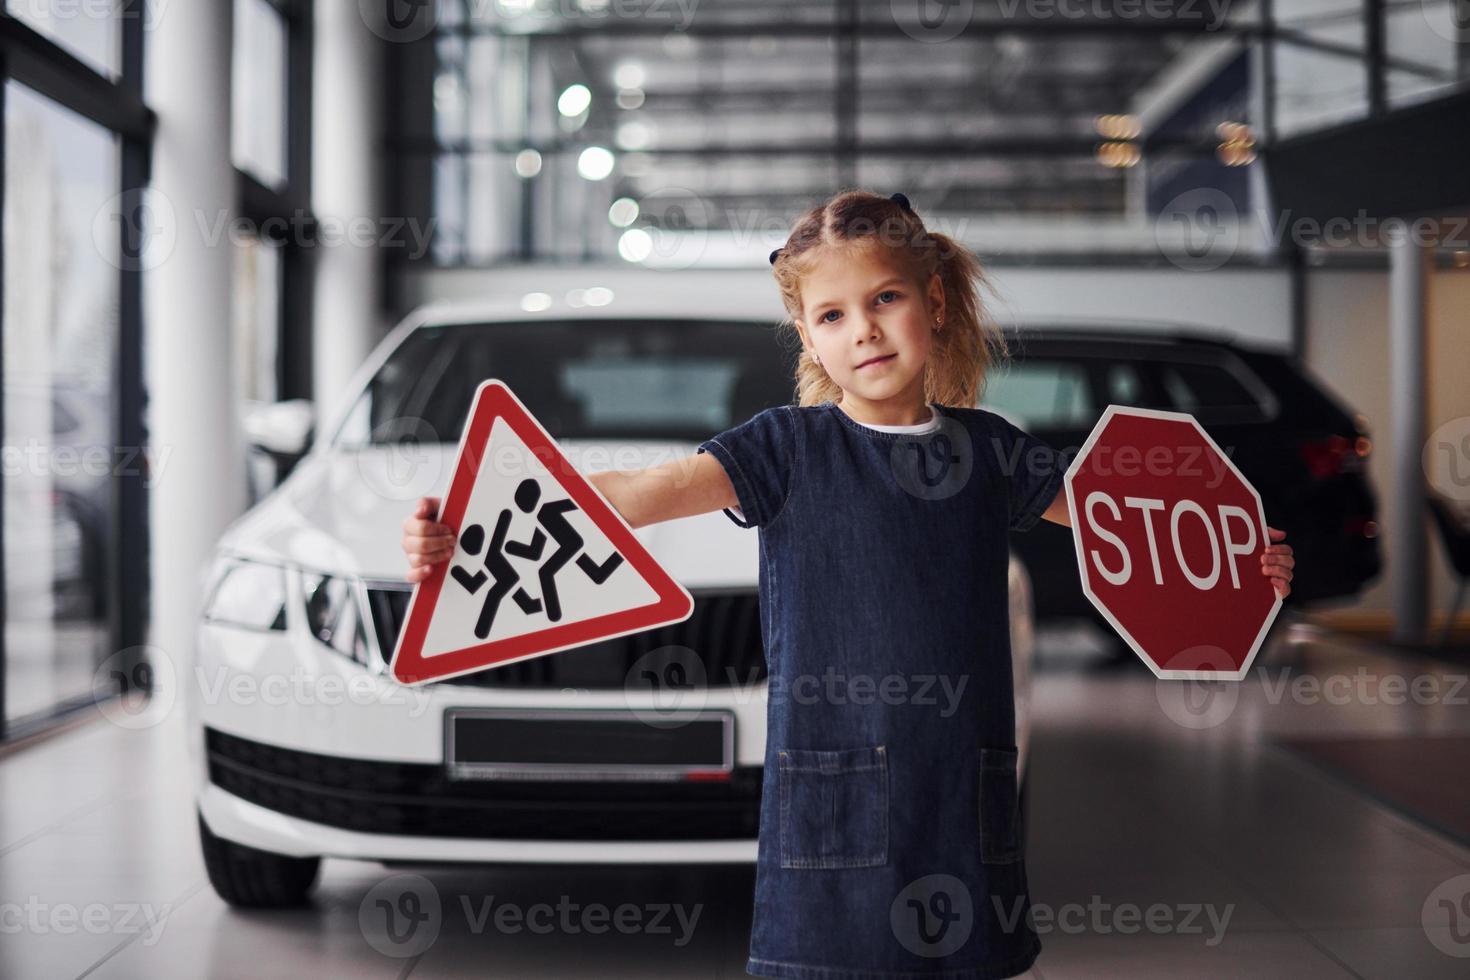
(572, 567)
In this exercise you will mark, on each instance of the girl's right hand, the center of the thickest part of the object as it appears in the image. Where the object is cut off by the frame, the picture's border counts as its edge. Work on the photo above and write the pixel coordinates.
(426, 542)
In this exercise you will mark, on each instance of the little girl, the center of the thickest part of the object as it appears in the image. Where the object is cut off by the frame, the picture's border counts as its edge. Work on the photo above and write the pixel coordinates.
(889, 839)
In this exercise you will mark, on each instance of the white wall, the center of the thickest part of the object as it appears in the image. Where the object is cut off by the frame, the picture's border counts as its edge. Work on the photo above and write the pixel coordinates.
(1347, 347)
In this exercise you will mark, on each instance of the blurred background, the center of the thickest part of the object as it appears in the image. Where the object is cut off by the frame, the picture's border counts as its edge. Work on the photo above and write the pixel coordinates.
(257, 254)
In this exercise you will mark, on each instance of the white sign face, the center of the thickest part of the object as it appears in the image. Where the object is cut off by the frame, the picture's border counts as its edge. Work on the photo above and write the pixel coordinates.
(542, 562)
(527, 558)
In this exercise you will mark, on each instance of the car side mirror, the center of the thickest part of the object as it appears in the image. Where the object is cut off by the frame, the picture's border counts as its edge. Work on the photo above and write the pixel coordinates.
(282, 429)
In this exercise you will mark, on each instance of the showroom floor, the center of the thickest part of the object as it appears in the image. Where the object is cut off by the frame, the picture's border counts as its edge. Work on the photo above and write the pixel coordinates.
(1168, 839)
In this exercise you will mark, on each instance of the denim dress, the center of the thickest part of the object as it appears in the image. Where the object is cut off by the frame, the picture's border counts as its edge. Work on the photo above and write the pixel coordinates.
(889, 829)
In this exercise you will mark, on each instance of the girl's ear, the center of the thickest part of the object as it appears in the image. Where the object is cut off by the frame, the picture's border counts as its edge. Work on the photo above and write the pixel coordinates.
(936, 295)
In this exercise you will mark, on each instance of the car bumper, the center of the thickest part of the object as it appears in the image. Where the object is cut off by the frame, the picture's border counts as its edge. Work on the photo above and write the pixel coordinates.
(256, 826)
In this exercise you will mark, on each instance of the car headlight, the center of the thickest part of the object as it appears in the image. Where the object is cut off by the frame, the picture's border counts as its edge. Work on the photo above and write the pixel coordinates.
(334, 615)
(249, 594)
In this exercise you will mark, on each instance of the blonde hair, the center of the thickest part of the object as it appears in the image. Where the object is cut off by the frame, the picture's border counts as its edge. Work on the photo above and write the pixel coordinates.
(969, 343)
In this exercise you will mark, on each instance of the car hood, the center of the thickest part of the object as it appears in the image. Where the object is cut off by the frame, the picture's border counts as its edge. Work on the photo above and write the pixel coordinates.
(342, 511)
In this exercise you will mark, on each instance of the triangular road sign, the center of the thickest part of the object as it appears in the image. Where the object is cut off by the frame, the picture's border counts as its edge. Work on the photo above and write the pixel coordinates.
(542, 561)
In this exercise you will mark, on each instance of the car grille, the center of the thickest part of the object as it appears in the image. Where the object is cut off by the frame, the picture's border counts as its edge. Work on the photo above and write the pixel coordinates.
(723, 632)
(418, 799)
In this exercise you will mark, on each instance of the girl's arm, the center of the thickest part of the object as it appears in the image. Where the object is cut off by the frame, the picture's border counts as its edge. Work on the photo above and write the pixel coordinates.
(1056, 511)
(694, 484)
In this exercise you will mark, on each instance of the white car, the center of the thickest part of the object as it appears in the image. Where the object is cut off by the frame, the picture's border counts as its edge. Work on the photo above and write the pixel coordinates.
(304, 746)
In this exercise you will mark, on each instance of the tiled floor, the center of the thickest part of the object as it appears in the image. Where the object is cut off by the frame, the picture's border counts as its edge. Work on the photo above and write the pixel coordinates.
(1248, 861)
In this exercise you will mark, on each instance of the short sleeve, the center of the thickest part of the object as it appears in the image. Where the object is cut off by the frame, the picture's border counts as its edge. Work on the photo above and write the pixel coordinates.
(1034, 471)
(759, 456)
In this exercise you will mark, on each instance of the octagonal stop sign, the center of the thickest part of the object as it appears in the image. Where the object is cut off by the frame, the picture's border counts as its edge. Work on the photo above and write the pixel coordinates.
(1169, 536)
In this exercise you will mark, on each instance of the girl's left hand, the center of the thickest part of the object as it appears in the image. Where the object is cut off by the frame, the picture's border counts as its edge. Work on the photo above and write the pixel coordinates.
(1277, 562)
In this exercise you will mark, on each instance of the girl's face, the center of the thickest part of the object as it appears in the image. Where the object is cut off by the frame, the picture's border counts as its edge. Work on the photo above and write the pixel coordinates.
(871, 328)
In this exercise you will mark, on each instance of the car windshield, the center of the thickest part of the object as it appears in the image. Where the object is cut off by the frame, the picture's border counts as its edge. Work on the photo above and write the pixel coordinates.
(582, 379)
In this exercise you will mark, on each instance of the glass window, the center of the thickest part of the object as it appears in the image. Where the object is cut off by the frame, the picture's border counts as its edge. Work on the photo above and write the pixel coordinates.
(1316, 87)
(1423, 44)
(256, 331)
(258, 92)
(256, 319)
(1123, 384)
(1209, 391)
(582, 379)
(88, 30)
(1042, 393)
(60, 314)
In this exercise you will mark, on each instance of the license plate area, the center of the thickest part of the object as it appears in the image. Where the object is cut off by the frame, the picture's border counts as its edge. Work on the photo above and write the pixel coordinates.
(513, 743)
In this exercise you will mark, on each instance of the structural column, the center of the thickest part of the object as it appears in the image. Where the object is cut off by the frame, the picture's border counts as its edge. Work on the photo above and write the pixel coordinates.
(198, 460)
(1406, 535)
(347, 163)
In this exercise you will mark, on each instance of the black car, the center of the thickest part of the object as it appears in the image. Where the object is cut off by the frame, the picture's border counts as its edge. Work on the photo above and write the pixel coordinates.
(1302, 449)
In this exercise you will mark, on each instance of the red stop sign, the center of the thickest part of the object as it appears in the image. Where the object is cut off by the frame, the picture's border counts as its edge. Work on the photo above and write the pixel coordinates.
(1169, 536)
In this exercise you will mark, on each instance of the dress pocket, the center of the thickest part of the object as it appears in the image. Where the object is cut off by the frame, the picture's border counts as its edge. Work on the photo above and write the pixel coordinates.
(834, 807)
(1000, 817)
